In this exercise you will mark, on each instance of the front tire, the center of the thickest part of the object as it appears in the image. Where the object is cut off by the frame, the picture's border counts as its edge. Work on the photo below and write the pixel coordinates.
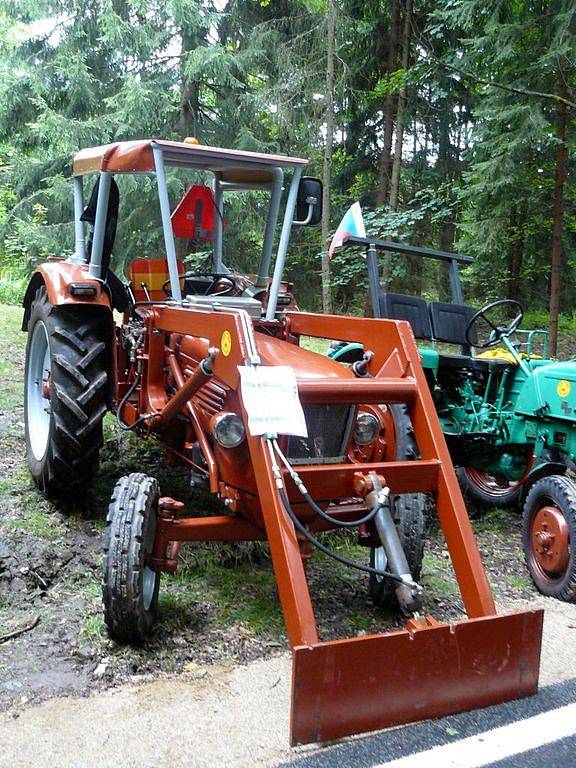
(408, 511)
(64, 397)
(129, 586)
(549, 536)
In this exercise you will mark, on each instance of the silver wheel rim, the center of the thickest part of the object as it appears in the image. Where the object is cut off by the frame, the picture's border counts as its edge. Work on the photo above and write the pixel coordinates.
(380, 561)
(38, 406)
(148, 587)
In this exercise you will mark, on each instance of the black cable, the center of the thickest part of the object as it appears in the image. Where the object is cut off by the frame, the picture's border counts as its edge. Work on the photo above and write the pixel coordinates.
(320, 512)
(128, 427)
(318, 544)
(334, 520)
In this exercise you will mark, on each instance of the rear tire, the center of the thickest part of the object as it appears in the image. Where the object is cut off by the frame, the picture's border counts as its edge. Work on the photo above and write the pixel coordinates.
(129, 586)
(487, 491)
(408, 511)
(65, 396)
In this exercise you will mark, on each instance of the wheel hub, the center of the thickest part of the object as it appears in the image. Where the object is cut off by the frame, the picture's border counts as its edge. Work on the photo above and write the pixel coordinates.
(550, 539)
(47, 386)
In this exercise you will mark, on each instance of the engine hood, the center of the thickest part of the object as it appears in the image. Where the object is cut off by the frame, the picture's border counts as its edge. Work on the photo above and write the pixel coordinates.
(306, 364)
(550, 392)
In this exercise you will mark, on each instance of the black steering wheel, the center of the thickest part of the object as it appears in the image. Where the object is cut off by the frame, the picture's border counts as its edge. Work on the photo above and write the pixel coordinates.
(215, 279)
(498, 331)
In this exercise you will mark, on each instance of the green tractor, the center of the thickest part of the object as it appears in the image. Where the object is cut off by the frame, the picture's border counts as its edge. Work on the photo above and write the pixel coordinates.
(508, 414)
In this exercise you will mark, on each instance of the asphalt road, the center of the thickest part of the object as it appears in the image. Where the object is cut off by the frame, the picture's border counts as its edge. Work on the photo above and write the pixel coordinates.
(532, 733)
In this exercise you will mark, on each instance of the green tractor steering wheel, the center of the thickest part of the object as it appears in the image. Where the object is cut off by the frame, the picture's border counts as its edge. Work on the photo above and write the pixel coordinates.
(498, 332)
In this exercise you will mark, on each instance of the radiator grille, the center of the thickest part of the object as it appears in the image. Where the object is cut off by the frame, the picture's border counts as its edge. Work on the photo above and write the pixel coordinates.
(211, 397)
(329, 428)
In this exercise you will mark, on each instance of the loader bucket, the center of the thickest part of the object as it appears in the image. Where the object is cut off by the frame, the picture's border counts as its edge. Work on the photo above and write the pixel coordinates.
(372, 682)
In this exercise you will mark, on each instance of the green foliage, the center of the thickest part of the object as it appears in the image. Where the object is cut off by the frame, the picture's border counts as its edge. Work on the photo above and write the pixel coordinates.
(478, 158)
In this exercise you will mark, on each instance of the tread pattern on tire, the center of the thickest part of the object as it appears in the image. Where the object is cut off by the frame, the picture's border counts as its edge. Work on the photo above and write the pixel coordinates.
(132, 508)
(409, 511)
(79, 381)
(564, 488)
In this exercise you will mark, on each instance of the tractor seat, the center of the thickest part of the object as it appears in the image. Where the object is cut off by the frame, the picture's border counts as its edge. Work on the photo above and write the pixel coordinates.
(446, 360)
(398, 306)
(151, 273)
(449, 323)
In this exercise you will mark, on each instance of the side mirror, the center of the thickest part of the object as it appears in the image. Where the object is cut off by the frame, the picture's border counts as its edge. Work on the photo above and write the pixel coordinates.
(309, 202)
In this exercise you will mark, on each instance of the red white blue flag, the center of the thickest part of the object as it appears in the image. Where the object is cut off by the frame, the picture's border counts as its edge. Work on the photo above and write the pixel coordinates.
(351, 225)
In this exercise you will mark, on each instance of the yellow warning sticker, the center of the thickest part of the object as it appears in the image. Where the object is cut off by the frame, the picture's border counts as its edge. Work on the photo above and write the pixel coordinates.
(226, 345)
(563, 388)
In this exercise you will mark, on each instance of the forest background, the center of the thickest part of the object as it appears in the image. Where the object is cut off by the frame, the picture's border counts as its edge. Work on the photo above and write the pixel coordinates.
(452, 122)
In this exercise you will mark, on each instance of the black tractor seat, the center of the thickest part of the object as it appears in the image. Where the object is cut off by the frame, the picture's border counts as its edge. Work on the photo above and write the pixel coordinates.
(414, 309)
(439, 321)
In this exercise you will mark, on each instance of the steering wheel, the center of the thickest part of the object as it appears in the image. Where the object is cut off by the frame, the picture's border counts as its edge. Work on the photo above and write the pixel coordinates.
(498, 332)
(215, 279)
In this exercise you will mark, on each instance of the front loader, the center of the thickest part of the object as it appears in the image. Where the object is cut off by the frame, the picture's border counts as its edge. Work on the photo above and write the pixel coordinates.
(294, 444)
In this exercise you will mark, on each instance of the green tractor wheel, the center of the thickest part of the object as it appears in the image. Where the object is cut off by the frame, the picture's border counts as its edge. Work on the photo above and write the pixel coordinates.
(549, 536)
(487, 491)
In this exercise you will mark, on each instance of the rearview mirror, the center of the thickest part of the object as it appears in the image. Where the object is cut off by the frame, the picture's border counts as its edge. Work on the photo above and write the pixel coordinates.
(309, 202)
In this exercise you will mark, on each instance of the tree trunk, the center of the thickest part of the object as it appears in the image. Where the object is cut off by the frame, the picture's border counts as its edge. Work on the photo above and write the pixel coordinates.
(516, 251)
(395, 183)
(327, 166)
(389, 107)
(559, 183)
(189, 116)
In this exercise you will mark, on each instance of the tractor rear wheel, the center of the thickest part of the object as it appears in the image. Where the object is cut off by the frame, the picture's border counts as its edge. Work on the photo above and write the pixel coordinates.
(65, 396)
(549, 536)
(487, 491)
(129, 586)
(408, 511)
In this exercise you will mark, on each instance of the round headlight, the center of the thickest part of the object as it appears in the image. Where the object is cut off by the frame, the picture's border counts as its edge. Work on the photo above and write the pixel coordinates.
(228, 429)
(366, 428)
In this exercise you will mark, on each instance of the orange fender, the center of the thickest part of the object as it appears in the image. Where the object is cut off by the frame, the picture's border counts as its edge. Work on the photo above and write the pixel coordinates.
(56, 276)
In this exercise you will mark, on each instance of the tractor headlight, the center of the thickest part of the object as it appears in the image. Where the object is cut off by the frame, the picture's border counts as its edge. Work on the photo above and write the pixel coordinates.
(366, 429)
(228, 430)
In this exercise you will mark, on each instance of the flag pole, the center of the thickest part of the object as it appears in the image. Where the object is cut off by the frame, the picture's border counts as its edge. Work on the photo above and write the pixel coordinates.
(373, 279)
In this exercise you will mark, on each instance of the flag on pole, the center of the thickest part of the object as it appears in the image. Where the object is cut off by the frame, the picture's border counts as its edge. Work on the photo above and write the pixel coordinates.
(351, 225)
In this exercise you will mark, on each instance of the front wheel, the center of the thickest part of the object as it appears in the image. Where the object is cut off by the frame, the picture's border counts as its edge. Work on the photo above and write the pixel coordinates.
(129, 586)
(408, 511)
(408, 514)
(549, 536)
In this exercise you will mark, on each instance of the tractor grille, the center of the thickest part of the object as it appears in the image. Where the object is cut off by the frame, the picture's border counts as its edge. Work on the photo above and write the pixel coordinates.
(211, 397)
(329, 427)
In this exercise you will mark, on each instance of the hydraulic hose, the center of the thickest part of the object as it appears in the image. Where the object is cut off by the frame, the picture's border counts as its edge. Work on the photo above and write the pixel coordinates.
(326, 550)
(318, 510)
(122, 403)
(275, 448)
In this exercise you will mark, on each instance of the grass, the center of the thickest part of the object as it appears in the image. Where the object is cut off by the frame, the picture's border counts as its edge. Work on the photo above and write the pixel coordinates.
(315, 345)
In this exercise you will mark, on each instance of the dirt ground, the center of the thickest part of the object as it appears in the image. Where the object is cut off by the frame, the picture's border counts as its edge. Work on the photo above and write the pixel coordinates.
(218, 652)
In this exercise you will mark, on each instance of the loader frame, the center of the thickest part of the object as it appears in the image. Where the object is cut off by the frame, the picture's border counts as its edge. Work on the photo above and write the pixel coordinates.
(479, 662)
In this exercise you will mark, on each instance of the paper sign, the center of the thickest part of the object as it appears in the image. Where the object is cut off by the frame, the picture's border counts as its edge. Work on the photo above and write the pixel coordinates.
(270, 396)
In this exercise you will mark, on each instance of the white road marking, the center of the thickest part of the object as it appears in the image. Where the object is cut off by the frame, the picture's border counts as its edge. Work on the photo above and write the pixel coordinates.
(496, 744)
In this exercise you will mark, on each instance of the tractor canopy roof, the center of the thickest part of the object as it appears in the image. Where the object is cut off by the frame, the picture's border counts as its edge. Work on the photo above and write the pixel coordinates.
(236, 166)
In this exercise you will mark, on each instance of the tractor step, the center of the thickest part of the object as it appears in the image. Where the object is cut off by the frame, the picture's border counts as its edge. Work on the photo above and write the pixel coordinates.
(366, 683)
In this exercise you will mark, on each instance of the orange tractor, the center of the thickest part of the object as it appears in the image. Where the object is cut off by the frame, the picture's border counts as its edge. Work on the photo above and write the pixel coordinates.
(211, 365)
